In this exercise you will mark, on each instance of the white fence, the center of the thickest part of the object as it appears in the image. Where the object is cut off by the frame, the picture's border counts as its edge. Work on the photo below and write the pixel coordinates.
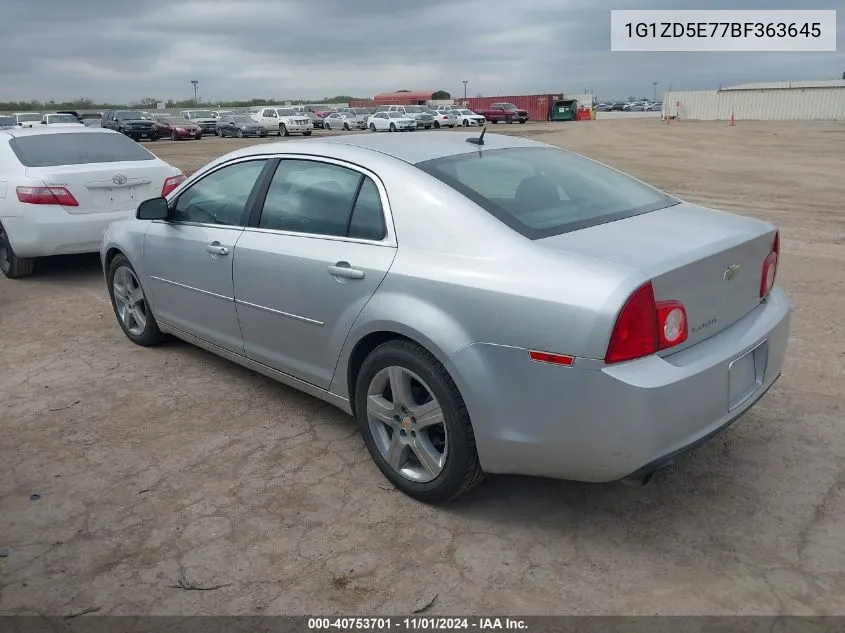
(784, 104)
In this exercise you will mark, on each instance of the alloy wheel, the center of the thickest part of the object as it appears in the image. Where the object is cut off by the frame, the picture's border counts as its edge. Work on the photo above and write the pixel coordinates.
(407, 424)
(129, 299)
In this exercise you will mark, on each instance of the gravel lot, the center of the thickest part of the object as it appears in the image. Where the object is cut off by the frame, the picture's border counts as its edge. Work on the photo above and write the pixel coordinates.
(168, 466)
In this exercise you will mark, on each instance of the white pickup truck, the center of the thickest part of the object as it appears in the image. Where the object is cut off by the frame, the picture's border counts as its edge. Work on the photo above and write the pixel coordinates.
(203, 118)
(284, 121)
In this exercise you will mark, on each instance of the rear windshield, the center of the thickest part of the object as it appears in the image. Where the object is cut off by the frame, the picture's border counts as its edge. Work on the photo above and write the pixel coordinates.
(50, 150)
(540, 192)
(62, 118)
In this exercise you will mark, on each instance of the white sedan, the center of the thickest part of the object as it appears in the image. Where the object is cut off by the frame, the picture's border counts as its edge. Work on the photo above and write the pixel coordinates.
(468, 118)
(445, 118)
(60, 120)
(391, 122)
(64, 185)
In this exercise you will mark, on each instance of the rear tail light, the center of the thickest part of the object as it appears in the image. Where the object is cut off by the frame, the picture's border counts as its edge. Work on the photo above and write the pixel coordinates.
(171, 183)
(770, 268)
(645, 326)
(47, 195)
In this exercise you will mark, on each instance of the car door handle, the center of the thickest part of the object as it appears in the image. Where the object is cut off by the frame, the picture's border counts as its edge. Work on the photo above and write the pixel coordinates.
(215, 249)
(343, 269)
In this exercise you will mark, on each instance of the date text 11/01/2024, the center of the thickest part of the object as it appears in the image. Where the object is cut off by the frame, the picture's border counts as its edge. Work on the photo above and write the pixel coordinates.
(417, 623)
(723, 29)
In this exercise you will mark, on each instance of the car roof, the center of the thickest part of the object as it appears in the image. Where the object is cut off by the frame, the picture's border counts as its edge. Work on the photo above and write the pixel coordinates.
(427, 146)
(35, 131)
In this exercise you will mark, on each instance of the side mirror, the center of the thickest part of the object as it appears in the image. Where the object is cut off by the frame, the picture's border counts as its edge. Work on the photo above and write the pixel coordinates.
(153, 209)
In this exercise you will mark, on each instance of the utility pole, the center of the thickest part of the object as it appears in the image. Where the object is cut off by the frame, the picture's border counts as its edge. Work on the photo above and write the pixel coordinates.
(465, 88)
(195, 83)
(654, 97)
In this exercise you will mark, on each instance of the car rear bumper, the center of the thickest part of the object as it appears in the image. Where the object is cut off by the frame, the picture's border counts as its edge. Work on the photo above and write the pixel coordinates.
(141, 133)
(592, 422)
(50, 230)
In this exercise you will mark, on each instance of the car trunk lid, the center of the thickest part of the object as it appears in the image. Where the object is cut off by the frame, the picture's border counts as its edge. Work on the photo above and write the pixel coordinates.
(106, 187)
(709, 260)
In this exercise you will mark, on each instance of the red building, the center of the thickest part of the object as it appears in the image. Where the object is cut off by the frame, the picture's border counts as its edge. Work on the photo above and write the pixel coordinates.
(402, 97)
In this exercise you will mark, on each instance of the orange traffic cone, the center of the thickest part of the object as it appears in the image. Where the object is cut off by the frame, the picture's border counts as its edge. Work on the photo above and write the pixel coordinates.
(733, 120)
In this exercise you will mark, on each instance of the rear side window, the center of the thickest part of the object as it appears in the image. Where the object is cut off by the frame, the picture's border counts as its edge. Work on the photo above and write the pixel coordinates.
(51, 150)
(367, 221)
(540, 192)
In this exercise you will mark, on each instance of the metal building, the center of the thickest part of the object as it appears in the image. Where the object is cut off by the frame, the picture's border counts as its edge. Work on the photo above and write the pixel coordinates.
(775, 101)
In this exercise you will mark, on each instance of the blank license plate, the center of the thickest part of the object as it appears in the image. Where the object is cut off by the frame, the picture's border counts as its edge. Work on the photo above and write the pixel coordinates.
(745, 375)
(116, 199)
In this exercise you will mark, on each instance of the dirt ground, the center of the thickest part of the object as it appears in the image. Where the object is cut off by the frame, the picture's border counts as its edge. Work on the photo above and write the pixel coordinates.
(169, 466)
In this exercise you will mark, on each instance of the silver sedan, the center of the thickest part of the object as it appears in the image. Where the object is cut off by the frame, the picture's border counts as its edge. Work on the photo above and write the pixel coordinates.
(478, 303)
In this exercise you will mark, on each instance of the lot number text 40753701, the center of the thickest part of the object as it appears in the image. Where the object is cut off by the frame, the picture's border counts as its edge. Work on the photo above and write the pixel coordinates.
(417, 623)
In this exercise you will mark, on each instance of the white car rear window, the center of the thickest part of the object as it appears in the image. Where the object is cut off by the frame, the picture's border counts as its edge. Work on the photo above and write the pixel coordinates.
(50, 150)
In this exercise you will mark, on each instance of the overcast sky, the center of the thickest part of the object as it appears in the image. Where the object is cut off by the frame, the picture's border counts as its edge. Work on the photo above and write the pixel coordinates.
(240, 49)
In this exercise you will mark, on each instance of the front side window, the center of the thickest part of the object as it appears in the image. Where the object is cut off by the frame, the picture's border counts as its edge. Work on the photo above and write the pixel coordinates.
(540, 192)
(221, 197)
(318, 198)
(129, 116)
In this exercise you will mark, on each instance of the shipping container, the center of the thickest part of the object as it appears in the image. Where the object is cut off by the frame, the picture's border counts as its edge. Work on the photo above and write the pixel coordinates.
(537, 106)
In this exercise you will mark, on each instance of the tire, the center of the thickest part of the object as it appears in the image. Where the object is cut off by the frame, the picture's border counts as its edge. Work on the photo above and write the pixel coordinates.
(283, 130)
(153, 138)
(147, 334)
(173, 136)
(454, 468)
(522, 121)
(346, 127)
(494, 122)
(308, 133)
(240, 133)
(451, 126)
(508, 120)
(372, 127)
(198, 136)
(465, 123)
(437, 125)
(11, 265)
(218, 133)
(392, 127)
(326, 126)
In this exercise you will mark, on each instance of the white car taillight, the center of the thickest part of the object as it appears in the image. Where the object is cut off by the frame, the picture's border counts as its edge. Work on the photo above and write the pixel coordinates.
(171, 183)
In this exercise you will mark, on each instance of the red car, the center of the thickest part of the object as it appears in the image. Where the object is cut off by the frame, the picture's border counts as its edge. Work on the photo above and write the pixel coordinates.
(177, 128)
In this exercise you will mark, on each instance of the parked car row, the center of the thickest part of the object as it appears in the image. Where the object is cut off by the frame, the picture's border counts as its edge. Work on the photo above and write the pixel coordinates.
(260, 122)
(630, 106)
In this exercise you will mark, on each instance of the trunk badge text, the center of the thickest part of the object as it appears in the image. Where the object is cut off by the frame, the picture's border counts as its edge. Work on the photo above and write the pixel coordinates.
(120, 179)
(731, 272)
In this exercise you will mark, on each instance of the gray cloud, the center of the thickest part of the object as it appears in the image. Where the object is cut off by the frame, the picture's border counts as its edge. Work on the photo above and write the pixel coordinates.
(297, 49)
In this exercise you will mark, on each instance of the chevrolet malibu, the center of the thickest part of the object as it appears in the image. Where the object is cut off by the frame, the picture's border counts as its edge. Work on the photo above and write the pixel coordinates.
(477, 303)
